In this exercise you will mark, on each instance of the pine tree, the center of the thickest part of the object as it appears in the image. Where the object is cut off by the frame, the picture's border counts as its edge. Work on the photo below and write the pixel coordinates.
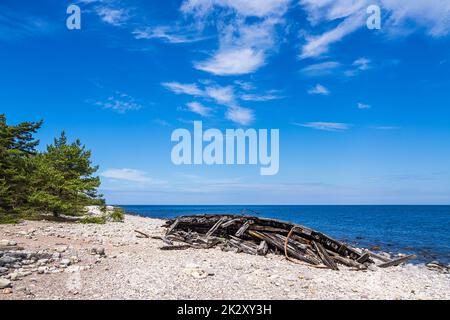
(63, 180)
(17, 146)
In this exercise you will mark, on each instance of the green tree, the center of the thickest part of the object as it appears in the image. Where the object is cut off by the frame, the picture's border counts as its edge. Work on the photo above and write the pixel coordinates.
(63, 180)
(17, 147)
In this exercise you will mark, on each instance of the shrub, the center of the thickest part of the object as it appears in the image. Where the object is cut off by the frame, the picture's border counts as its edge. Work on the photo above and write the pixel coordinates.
(93, 220)
(117, 215)
(9, 218)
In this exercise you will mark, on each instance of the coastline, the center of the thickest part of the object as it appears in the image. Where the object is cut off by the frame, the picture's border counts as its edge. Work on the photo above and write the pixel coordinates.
(135, 268)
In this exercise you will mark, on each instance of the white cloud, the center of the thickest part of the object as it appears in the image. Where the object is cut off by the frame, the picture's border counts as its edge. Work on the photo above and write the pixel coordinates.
(233, 62)
(325, 126)
(239, 115)
(126, 175)
(120, 102)
(319, 89)
(362, 64)
(167, 33)
(318, 45)
(225, 95)
(245, 85)
(363, 106)
(432, 16)
(260, 97)
(249, 8)
(115, 17)
(385, 127)
(244, 44)
(180, 88)
(222, 95)
(198, 108)
(358, 66)
(320, 69)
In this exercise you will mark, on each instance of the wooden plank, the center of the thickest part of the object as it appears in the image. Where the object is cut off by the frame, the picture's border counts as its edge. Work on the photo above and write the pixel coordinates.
(181, 247)
(364, 258)
(263, 248)
(172, 227)
(398, 261)
(229, 223)
(324, 256)
(244, 228)
(279, 244)
(215, 227)
(378, 256)
(349, 262)
(142, 234)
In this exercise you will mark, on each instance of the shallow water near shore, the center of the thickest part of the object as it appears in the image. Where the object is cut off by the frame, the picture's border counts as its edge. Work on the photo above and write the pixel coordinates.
(421, 230)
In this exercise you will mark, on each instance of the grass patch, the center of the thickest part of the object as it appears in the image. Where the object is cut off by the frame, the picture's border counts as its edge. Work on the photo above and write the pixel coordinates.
(9, 218)
(93, 220)
(117, 215)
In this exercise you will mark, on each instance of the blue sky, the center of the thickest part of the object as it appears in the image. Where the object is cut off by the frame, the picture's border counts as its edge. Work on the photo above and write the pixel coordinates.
(363, 114)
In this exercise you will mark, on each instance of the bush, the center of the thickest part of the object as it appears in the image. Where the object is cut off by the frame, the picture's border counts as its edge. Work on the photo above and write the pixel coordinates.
(117, 215)
(93, 220)
(9, 218)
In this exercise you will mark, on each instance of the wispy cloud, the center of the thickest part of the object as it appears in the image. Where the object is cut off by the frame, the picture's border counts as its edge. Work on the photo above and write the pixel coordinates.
(182, 88)
(363, 106)
(319, 89)
(362, 63)
(126, 175)
(245, 85)
(433, 16)
(239, 115)
(243, 45)
(115, 17)
(325, 126)
(318, 45)
(358, 66)
(321, 69)
(168, 34)
(15, 24)
(233, 62)
(120, 102)
(260, 97)
(198, 108)
(249, 8)
(385, 127)
(222, 95)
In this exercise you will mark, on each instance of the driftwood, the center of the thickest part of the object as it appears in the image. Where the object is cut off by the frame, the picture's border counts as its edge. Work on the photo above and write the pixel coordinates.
(259, 236)
(142, 234)
(396, 262)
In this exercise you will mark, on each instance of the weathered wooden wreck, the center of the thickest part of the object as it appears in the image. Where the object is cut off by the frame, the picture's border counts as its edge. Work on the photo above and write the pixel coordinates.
(259, 236)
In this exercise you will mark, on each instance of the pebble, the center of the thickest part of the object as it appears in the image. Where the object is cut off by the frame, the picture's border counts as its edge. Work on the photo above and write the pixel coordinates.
(14, 276)
(61, 249)
(42, 270)
(7, 291)
(56, 255)
(213, 274)
(65, 262)
(4, 283)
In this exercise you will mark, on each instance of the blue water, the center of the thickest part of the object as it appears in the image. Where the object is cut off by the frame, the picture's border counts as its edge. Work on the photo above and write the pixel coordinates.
(422, 230)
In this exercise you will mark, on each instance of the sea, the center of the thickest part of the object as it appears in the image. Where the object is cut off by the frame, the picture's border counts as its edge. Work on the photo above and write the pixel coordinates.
(420, 230)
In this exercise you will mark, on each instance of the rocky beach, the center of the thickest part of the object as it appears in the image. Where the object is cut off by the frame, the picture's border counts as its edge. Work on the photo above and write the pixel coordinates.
(48, 260)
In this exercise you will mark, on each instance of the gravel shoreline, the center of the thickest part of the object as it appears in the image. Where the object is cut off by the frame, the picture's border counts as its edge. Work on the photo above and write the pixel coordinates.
(110, 261)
